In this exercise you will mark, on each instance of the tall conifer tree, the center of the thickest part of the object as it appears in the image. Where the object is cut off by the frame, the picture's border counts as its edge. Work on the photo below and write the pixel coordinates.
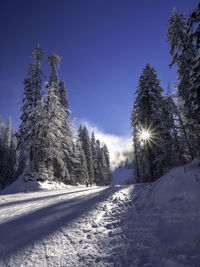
(147, 119)
(32, 94)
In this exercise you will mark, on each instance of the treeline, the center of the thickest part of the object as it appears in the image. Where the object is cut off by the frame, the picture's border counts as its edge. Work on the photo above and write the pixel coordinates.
(10, 160)
(95, 159)
(47, 146)
(166, 129)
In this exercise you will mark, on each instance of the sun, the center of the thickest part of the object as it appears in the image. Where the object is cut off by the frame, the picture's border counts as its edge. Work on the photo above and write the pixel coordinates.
(145, 135)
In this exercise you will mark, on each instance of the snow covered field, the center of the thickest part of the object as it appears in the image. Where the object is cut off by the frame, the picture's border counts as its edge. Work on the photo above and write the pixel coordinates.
(127, 225)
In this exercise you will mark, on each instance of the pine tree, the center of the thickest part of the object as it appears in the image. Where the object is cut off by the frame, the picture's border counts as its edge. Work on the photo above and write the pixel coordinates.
(88, 153)
(194, 96)
(52, 146)
(103, 172)
(94, 155)
(98, 177)
(136, 146)
(63, 97)
(81, 171)
(147, 117)
(170, 110)
(32, 94)
(194, 20)
(193, 29)
(184, 54)
(8, 154)
(102, 168)
(56, 146)
(105, 152)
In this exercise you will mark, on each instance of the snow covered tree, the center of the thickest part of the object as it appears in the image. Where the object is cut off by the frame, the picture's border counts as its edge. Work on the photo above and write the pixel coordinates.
(194, 96)
(193, 29)
(54, 147)
(173, 121)
(80, 163)
(136, 146)
(185, 56)
(194, 20)
(8, 154)
(98, 177)
(63, 96)
(103, 172)
(88, 152)
(94, 155)
(150, 130)
(49, 137)
(54, 63)
(106, 155)
(32, 94)
(97, 157)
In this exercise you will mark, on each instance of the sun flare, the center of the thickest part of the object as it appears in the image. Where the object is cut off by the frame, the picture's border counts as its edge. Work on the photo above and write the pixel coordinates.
(145, 135)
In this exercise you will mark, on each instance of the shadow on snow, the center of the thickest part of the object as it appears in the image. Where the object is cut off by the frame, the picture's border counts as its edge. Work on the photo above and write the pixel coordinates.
(42, 198)
(21, 232)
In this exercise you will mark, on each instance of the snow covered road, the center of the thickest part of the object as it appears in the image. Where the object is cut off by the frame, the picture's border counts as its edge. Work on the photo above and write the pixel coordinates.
(73, 228)
(142, 225)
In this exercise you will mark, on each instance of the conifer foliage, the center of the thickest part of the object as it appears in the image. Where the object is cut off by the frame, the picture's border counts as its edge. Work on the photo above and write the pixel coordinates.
(150, 117)
(9, 155)
(97, 158)
(47, 146)
(166, 128)
(32, 95)
(183, 36)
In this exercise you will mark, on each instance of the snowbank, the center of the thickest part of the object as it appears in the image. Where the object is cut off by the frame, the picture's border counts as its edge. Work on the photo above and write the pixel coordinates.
(25, 185)
(164, 226)
(181, 182)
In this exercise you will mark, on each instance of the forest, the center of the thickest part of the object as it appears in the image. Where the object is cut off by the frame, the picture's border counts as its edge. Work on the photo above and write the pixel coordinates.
(47, 146)
(165, 127)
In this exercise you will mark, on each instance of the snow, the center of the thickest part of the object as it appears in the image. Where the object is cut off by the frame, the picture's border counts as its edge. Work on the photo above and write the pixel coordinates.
(123, 225)
(27, 184)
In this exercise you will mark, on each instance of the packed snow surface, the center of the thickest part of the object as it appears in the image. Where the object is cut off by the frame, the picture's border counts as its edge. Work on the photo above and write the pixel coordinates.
(122, 225)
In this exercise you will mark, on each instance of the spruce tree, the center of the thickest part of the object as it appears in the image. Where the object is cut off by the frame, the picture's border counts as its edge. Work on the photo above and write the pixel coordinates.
(98, 177)
(63, 97)
(194, 94)
(88, 153)
(94, 155)
(193, 29)
(8, 154)
(81, 171)
(32, 94)
(57, 143)
(171, 120)
(53, 145)
(103, 172)
(184, 54)
(105, 152)
(147, 118)
(193, 23)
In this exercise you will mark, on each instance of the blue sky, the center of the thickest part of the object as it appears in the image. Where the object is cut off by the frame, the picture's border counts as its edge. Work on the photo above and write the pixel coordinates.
(104, 44)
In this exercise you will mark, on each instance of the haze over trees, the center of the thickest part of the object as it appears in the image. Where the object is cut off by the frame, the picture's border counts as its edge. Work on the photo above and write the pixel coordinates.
(166, 129)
